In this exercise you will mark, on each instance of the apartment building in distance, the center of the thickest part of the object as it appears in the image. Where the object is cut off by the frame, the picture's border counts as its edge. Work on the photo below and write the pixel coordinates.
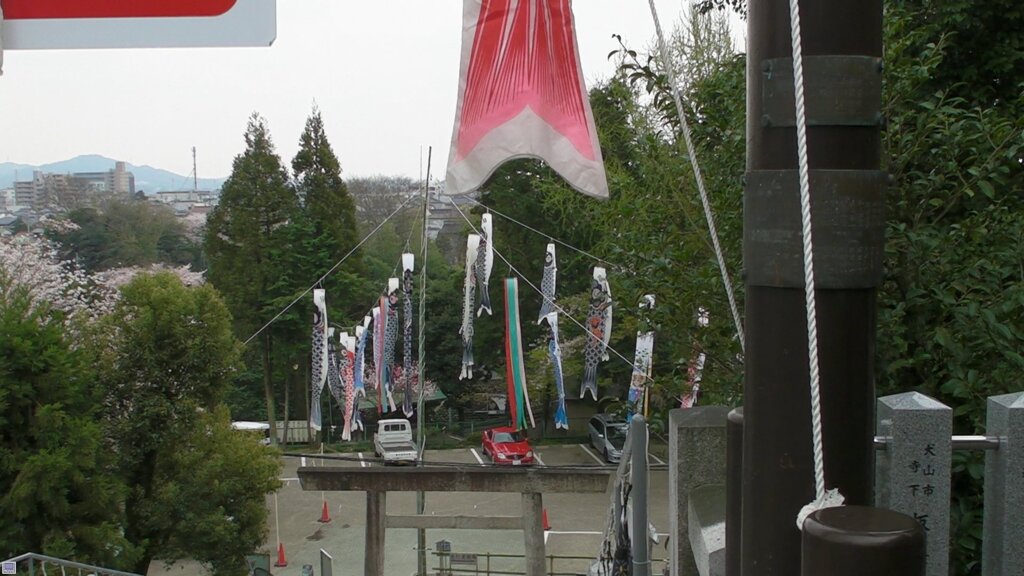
(7, 199)
(118, 181)
(188, 202)
(66, 191)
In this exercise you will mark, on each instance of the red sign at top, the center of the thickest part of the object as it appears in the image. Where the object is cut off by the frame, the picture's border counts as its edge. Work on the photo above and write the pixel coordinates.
(53, 9)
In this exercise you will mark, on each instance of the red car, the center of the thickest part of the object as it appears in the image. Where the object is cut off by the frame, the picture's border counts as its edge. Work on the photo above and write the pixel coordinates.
(506, 445)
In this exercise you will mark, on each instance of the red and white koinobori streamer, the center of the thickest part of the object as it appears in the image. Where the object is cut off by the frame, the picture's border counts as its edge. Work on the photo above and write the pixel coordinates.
(521, 94)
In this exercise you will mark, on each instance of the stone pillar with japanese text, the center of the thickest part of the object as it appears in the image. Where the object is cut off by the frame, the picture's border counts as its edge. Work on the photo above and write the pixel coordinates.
(1002, 544)
(913, 471)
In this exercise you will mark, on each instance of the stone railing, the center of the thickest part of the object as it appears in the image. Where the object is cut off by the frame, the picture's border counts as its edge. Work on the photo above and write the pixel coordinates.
(914, 467)
(914, 443)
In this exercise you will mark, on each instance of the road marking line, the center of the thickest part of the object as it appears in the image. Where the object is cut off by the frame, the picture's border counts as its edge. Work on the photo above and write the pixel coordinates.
(288, 479)
(303, 461)
(583, 532)
(536, 456)
(546, 533)
(362, 463)
(479, 460)
(656, 459)
(592, 455)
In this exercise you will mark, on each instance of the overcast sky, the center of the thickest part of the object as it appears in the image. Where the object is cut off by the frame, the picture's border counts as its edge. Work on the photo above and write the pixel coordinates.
(383, 72)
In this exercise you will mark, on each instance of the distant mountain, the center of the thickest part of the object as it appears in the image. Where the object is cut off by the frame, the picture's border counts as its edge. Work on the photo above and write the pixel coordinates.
(149, 179)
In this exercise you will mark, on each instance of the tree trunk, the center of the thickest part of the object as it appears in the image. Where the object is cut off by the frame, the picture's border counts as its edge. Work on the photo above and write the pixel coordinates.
(268, 390)
(547, 410)
(306, 394)
(287, 395)
(142, 564)
(135, 531)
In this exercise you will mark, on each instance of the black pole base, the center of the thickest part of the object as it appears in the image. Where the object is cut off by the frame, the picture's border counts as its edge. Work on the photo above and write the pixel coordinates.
(858, 540)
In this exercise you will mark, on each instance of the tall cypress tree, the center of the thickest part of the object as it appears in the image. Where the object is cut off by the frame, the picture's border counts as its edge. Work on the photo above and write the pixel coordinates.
(243, 234)
(318, 181)
(330, 222)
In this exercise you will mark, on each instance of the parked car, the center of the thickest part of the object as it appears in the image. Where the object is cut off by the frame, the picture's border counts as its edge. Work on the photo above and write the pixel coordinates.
(393, 442)
(607, 435)
(259, 430)
(506, 445)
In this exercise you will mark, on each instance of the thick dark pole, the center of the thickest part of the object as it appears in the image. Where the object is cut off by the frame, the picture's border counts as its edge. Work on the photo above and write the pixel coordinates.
(842, 41)
(641, 539)
(856, 540)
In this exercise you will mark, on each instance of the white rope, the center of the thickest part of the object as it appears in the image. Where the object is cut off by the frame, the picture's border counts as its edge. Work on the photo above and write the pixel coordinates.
(561, 310)
(708, 214)
(823, 499)
(333, 268)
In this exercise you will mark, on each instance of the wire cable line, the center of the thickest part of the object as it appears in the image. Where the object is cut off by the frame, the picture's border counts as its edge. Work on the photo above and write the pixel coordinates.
(708, 214)
(548, 236)
(329, 272)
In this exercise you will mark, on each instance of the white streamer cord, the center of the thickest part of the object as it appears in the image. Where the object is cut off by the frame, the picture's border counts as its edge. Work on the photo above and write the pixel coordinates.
(708, 214)
(823, 498)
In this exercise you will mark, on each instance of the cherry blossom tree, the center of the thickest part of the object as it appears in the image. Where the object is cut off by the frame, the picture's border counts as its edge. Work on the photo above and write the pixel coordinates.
(33, 262)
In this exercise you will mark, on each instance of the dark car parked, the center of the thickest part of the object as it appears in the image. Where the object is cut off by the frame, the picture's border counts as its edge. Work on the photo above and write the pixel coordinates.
(607, 435)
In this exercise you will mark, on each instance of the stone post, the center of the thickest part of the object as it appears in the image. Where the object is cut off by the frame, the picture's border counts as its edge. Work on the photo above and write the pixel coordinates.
(1002, 548)
(913, 471)
(376, 514)
(734, 492)
(707, 529)
(533, 533)
(697, 447)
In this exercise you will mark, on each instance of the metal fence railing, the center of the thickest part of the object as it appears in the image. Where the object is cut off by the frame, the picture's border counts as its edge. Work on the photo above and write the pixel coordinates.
(495, 564)
(29, 562)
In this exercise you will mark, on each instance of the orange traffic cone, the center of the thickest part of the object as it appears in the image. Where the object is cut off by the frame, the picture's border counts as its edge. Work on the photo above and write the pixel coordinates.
(325, 514)
(544, 518)
(281, 560)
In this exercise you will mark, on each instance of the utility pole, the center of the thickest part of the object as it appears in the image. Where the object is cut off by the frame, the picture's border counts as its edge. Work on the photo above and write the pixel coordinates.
(421, 534)
(195, 175)
(640, 545)
(841, 48)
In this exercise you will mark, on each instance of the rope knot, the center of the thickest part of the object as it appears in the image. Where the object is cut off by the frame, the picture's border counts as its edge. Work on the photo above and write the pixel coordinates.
(831, 499)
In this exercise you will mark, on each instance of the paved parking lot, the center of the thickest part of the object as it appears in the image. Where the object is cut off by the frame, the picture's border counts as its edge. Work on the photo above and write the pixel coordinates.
(577, 520)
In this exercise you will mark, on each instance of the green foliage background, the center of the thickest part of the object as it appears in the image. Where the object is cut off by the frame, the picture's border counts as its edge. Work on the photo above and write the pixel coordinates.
(115, 445)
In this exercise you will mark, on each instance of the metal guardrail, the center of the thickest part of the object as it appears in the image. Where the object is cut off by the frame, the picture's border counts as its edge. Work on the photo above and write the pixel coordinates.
(479, 564)
(32, 558)
(967, 442)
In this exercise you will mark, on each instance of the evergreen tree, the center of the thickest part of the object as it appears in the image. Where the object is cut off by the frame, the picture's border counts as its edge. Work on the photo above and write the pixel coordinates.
(243, 233)
(57, 495)
(324, 194)
(197, 489)
(328, 231)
